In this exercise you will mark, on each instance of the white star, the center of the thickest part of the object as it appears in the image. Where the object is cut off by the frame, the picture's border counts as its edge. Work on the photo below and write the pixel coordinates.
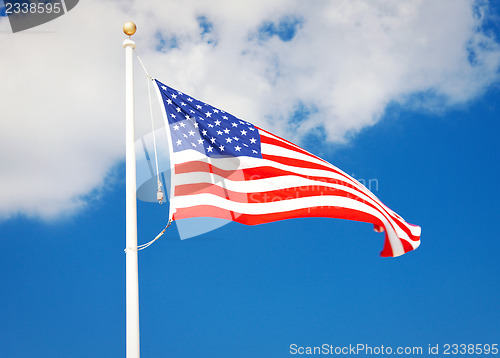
(187, 116)
(224, 117)
(221, 148)
(228, 140)
(191, 111)
(174, 96)
(164, 88)
(209, 149)
(212, 140)
(237, 148)
(210, 125)
(198, 106)
(191, 133)
(178, 109)
(169, 101)
(194, 145)
(253, 140)
(215, 110)
(236, 138)
(243, 132)
(204, 132)
(172, 115)
(219, 132)
(183, 104)
(190, 99)
(200, 141)
(246, 145)
(179, 142)
(182, 124)
(217, 123)
(185, 135)
(234, 124)
(208, 114)
(196, 124)
(254, 151)
(251, 128)
(176, 127)
(226, 131)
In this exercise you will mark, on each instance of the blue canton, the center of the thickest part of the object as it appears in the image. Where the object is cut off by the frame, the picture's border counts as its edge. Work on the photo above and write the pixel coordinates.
(206, 129)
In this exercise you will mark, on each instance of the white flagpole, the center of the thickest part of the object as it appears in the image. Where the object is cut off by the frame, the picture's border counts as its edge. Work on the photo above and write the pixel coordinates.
(132, 273)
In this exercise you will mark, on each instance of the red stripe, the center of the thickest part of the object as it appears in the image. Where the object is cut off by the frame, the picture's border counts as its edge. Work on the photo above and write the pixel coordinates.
(404, 226)
(387, 250)
(207, 188)
(303, 164)
(284, 142)
(267, 196)
(198, 166)
(250, 219)
(276, 142)
(407, 246)
(256, 173)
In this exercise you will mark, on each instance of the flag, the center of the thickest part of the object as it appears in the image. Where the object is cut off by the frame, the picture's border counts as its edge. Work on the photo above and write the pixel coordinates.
(225, 167)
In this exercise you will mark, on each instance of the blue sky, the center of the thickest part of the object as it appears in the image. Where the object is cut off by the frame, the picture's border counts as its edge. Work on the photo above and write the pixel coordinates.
(253, 291)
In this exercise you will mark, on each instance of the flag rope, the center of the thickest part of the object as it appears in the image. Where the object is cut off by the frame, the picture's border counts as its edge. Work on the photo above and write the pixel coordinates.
(142, 64)
(144, 246)
(159, 195)
(149, 78)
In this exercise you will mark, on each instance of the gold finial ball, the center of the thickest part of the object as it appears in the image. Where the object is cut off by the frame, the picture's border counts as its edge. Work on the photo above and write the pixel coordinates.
(129, 28)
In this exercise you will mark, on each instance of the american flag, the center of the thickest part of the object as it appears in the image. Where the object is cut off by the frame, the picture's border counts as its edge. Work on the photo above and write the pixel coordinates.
(225, 167)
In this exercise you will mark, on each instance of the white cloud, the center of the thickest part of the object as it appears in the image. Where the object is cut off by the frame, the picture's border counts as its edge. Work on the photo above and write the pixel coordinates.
(61, 88)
